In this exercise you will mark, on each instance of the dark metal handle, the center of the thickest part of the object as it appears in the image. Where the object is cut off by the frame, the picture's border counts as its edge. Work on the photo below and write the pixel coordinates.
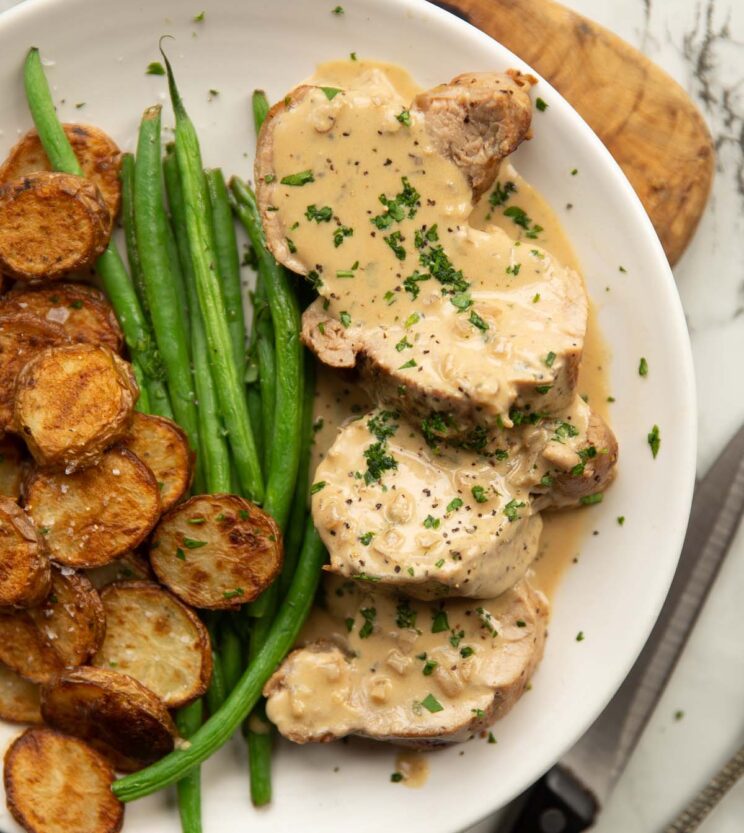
(557, 803)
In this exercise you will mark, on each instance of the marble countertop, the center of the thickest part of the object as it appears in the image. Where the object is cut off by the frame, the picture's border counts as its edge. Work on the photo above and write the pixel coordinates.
(699, 722)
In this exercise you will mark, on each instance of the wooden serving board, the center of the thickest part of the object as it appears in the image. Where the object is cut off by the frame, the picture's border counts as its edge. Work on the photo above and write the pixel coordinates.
(645, 119)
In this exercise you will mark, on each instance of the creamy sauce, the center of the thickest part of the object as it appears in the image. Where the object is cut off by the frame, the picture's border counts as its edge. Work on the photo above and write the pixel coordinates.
(413, 766)
(473, 334)
(393, 668)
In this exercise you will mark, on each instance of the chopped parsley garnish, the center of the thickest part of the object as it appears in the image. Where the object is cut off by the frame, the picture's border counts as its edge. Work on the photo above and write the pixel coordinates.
(541, 105)
(369, 614)
(393, 240)
(405, 615)
(404, 204)
(439, 564)
(439, 622)
(454, 504)
(331, 92)
(549, 359)
(290, 245)
(620, 520)
(479, 494)
(511, 509)
(410, 363)
(231, 594)
(466, 651)
(501, 193)
(431, 704)
(396, 777)
(543, 388)
(199, 18)
(513, 270)
(412, 319)
(520, 623)
(349, 622)
(654, 440)
(389, 297)
(382, 425)
(244, 514)
(366, 539)
(429, 667)
(479, 713)
(196, 521)
(491, 738)
(404, 117)
(352, 56)
(155, 68)
(180, 554)
(300, 178)
(520, 218)
(378, 462)
(643, 367)
(344, 318)
(344, 273)
(590, 500)
(403, 344)
(574, 171)
(622, 269)
(535, 297)
(320, 215)
(477, 321)
(340, 233)
(430, 522)
(411, 283)
(317, 487)
(456, 638)
(77, 304)
(193, 543)
(564, 431)
(337, 10)
(436, 261)
(486, 620)
(580, 636)
(313, 278)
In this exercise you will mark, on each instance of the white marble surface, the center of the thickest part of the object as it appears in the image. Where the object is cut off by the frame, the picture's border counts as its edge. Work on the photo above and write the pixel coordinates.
(701, 44)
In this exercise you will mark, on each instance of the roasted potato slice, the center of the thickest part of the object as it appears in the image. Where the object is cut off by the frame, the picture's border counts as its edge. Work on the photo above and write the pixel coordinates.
(22, 335)
(155, 638)
(19, 699)
(51, 224)
(24, 650)
(113, 712)
(58, 784)
(82, 311)
(24, 562)
(72, 403)
(216, 551)
(13, 467)
(164, 448)
(129, 567)
(93, 516)
(98, 154)
(72, 619)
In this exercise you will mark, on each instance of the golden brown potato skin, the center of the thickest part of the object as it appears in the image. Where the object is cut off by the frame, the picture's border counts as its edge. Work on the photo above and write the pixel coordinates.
(216, 551)
(163, 447)
(129, 567)
(71, 619)
(155, 638)
(51, 224)
(23, 648)
(98, 154)
(95, 515)
(25, 577)
(72, 403)
(117, 715)
(82, 311)
(58, 784)
(22, 335)
(19, 699)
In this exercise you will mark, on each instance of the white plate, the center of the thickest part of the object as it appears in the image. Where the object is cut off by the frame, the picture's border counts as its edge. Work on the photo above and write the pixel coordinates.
(97, 51)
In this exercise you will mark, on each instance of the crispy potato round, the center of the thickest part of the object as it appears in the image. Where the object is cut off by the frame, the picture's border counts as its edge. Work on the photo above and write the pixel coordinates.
(24, 561)
(13, 467)
(216, 551)
(72, 619)
(22, 335)
(98, 154)
(58, 784)
(19, 699)
(129, 567)
(24, 650)
(72, 403)
(82, 311)
(51, 224)
(155, 638)
(163, 447)
(93, 516)
(113, 712)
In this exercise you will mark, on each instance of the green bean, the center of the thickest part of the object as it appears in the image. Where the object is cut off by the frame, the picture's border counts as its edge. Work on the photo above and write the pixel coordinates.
(228, 262)
(130, 233)
(232, 654)
(188, 720)
(221, 726)
(217, 691)
(260, 742)
(166, 307)
(143, 400)
(265, 354)
(109, 266)
(285, 315)
(260, 106)
(230, 392)
(295, 527)
(215, 452)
